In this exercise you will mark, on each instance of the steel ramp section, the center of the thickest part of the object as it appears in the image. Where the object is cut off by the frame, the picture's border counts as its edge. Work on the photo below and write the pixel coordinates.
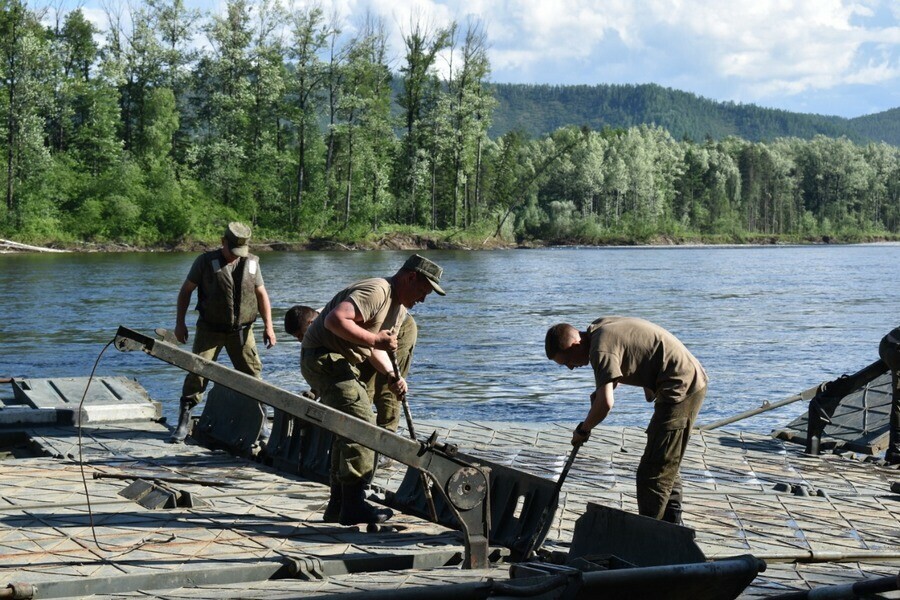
(849, 413)
(518, 502)
(230, 419)
(298, 447)
(517, 499)
(107, 399)
(641, 541)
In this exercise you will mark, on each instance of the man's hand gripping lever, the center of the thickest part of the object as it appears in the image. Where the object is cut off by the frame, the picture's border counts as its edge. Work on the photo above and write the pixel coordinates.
(580, 435)
(387, 341)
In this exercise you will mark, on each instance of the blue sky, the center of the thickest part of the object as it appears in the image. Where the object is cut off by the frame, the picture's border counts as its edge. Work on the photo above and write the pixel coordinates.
(835, 57)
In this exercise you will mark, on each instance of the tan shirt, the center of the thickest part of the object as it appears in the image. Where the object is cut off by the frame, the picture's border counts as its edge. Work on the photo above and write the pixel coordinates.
(372, 298)
(637, 352)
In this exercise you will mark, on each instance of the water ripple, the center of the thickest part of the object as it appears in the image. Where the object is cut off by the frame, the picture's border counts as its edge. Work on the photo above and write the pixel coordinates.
(765, 322)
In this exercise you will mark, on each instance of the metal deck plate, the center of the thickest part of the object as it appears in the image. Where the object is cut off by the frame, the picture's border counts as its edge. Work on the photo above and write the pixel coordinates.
(230, 548)
(105, 399)
(859, 422)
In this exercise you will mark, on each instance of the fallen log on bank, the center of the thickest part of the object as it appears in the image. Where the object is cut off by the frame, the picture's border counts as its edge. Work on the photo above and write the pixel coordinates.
(10, 246)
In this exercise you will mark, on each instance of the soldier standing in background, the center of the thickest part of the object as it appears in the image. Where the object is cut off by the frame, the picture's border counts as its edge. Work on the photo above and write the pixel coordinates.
(230, 296)
(297, 320)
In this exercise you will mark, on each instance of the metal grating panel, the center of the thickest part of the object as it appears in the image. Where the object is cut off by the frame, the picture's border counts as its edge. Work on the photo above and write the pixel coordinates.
(858, 408)
(107, 399)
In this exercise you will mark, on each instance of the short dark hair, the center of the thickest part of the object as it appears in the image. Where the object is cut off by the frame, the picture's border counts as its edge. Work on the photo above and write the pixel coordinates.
(298, 316)
(554, 339)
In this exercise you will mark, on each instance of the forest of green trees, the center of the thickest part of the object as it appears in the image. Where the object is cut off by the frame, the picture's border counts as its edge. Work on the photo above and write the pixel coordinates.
(173, 122)
(684, 115)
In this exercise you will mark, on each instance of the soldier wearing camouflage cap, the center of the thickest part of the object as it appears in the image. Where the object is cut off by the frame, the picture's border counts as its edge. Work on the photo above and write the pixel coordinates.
(360, 324)
(298, 319)
(231, 295)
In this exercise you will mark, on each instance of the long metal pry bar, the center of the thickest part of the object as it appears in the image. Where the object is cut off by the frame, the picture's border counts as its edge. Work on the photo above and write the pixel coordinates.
(464, 486)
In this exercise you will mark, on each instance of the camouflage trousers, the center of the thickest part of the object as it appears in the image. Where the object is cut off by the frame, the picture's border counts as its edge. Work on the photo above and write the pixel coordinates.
(338, 383)
(387, 405)
(241, 349)
(658, 479)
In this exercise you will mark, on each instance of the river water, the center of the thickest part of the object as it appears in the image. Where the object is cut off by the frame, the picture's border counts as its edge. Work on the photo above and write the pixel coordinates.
(766, 322)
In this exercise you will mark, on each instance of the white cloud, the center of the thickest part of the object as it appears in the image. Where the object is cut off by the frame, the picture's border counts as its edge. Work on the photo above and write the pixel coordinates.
(764, 51)
(874, 74)
(97, 17)
(756, 48)
(763, 44)
(799, 39)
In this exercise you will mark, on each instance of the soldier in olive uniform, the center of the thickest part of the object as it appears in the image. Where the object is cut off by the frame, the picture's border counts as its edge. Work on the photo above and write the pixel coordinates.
(297, 320)
(230, 296)
(359, 324)
(637, 352)
(889, 350)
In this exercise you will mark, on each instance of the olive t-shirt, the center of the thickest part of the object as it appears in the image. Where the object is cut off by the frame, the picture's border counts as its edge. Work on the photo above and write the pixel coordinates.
(372, 298)
(637, 352)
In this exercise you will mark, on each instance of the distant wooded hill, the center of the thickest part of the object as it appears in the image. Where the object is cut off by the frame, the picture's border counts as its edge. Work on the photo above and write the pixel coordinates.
(541, 109)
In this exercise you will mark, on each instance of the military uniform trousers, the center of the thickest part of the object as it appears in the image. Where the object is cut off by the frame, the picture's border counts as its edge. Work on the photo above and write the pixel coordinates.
(241, 349)
(339, 387)
(889, 350)
(658, 480)
(387, 405)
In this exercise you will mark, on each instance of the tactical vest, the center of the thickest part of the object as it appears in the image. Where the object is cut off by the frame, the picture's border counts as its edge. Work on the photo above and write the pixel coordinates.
(226, 299)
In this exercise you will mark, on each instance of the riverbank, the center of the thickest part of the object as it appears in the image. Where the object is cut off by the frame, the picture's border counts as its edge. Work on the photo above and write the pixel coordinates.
(455, 240)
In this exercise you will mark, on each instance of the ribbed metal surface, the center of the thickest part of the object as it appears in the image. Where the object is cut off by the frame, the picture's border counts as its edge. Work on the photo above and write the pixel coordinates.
(832, 509)
(851, 413)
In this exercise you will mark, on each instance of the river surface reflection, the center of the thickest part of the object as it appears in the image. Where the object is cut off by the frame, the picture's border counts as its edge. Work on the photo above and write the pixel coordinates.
(766, 322)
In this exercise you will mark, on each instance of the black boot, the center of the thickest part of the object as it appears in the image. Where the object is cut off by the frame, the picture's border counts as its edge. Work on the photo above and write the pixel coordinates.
(892, 455)
(333, 510)
(672, 514)
(184, 421)
(355, 509)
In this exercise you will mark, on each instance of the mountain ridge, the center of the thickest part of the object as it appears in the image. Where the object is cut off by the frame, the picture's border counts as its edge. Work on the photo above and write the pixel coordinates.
(539, 109)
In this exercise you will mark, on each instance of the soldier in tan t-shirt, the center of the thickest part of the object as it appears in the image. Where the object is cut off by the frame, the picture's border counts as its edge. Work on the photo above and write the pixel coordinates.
(298, 320)
(639, 353)
(360, 324)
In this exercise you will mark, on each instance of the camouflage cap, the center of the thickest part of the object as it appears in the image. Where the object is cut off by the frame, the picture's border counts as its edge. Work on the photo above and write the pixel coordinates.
(430, 270)
(237, 235)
